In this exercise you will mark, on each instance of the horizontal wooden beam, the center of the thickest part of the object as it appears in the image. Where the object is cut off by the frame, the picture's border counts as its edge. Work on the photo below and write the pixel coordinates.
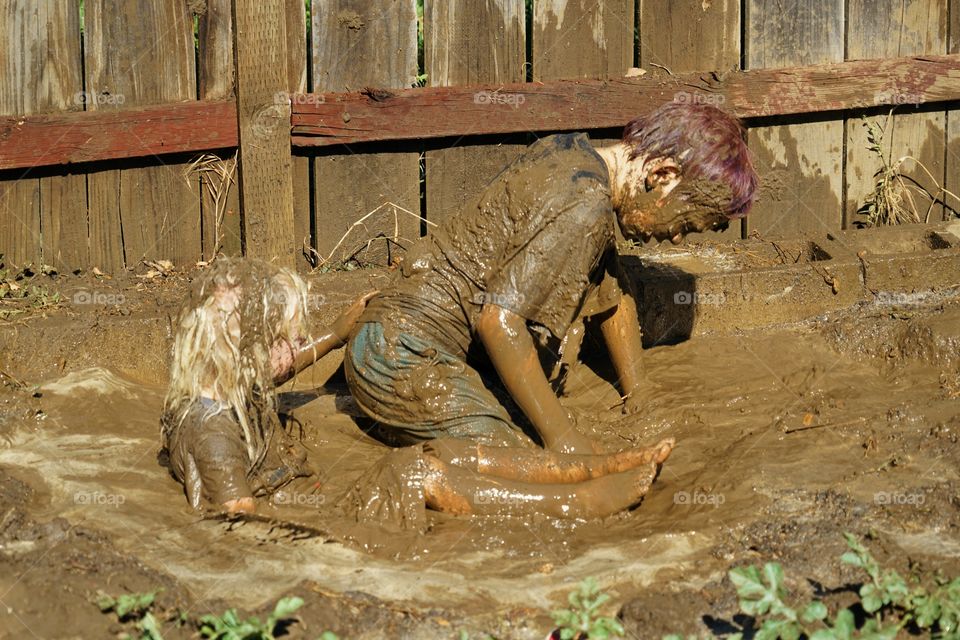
(409, 114)
(376, 115)
(87, 136)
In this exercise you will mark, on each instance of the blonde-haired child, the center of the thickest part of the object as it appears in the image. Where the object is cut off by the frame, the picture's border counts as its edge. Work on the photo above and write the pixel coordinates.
(241, 332)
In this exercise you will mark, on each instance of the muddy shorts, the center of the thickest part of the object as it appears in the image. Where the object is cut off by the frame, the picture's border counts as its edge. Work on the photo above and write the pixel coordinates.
(417, 392)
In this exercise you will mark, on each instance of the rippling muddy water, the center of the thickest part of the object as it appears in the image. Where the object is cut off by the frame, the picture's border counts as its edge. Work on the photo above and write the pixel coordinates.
(785, 438)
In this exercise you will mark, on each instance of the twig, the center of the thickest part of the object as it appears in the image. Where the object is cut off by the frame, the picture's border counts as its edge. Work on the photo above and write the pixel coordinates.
(848, 423)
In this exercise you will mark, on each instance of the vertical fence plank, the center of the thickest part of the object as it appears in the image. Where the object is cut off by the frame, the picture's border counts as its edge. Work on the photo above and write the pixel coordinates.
(142, 52)
(296, 14)
(952, 169)
(217, 78)
(42, 219)
(800, 165)
(364, 44)
(888, 28)
(691, 35)
(266, 181)
(582, 38)
(471, 43)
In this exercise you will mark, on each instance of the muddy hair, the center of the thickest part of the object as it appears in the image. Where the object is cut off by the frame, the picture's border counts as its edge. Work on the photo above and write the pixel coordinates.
(707, 143)
(235, 312)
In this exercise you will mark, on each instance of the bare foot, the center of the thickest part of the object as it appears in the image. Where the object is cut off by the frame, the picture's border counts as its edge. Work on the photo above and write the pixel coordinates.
(632, 458)
(240, 505)
(612, 494)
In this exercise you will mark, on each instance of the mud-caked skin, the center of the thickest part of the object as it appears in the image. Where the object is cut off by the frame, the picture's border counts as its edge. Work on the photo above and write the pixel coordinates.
(538, 242)
(208, 455)
(510, 273)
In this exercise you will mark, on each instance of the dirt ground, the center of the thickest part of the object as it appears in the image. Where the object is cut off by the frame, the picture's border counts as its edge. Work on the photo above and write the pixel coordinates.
(787, 437)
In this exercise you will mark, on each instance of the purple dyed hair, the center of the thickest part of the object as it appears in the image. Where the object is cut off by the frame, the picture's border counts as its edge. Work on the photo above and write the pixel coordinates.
(705, 141)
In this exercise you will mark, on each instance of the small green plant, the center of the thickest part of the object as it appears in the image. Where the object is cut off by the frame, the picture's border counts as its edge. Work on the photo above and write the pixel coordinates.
(19, 294)
(891, 602)
(133, 607)
(582, 619)
(229, 626)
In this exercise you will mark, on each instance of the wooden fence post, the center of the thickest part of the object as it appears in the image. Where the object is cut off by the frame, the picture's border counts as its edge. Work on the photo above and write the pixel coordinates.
(266, 184)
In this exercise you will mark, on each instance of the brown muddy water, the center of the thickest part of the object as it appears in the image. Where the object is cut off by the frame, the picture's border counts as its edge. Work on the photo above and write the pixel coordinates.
(786, 437)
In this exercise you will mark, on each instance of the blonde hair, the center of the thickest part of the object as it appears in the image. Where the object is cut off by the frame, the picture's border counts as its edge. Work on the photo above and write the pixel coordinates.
(223, 336)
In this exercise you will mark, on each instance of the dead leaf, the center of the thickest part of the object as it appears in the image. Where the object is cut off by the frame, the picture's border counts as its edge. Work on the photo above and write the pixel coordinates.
(706, 4)
(807, 419)
(634, 72)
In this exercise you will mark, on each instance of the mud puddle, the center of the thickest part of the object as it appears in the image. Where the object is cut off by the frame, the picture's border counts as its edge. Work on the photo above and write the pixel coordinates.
(785, 439)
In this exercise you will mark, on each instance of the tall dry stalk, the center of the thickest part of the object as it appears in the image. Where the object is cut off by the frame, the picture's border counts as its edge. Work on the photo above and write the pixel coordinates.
(217, 175)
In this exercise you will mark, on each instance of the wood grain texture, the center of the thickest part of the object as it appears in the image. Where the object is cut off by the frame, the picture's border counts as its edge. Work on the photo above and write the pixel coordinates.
(266, 183)
(361, 44)
(582, 38)
(952, 168)
(348, 118)
(689, 35)
(466, 42)
(886, 28)
(692, 35)
(296, 16)
(801, 165)
(73, 137)
(44, 219)
(138, 53)
(217, 79)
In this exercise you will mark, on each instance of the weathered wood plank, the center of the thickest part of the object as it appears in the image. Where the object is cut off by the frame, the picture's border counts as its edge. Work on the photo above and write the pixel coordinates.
(45, 218)
(136, 53)
(582, 38)
(220, 222)
(800, 165)
(296, 16)
(469, 43)
(349, 118)
(74, 137)
(686, 36)
(266, 184)
(358, 44)
(884, 28)
(952, 179)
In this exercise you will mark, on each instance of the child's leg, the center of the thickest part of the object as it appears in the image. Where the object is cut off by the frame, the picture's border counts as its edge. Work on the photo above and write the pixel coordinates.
(459, 491)
(540, 466)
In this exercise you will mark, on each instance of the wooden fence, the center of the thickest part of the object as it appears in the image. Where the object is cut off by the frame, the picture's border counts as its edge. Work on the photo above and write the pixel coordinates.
(105, 110)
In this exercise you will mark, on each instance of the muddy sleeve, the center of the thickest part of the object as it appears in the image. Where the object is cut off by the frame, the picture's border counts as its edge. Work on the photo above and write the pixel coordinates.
(216, 463)
(545, 278)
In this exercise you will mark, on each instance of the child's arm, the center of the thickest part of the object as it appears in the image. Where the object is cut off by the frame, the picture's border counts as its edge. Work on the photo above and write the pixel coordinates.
(288, 361)
(621, 333)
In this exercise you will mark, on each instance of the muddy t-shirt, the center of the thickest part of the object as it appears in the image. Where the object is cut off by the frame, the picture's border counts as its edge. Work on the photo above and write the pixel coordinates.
(536, 241)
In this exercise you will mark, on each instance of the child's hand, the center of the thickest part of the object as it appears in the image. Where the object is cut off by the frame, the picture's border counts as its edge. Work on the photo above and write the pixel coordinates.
(344, 324)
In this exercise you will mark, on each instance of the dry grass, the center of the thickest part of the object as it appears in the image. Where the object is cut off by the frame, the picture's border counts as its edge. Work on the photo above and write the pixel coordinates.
(897, 198)
(217, 176)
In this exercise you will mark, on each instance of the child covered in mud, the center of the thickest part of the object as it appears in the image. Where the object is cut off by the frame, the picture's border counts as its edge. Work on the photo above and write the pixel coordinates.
(511, 272)
(241, 332)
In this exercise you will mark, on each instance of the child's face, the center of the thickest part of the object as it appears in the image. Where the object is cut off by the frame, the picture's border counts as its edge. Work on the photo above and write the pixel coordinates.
(656, 203)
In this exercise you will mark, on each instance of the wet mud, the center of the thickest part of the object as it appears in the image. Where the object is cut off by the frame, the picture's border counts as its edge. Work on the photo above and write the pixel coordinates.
(786, 437)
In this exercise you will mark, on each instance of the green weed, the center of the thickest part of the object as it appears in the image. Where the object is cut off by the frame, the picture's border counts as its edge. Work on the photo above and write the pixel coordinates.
(892, 603)
(230, 627)
(582, 619)
(133, 607)
(19, 294)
